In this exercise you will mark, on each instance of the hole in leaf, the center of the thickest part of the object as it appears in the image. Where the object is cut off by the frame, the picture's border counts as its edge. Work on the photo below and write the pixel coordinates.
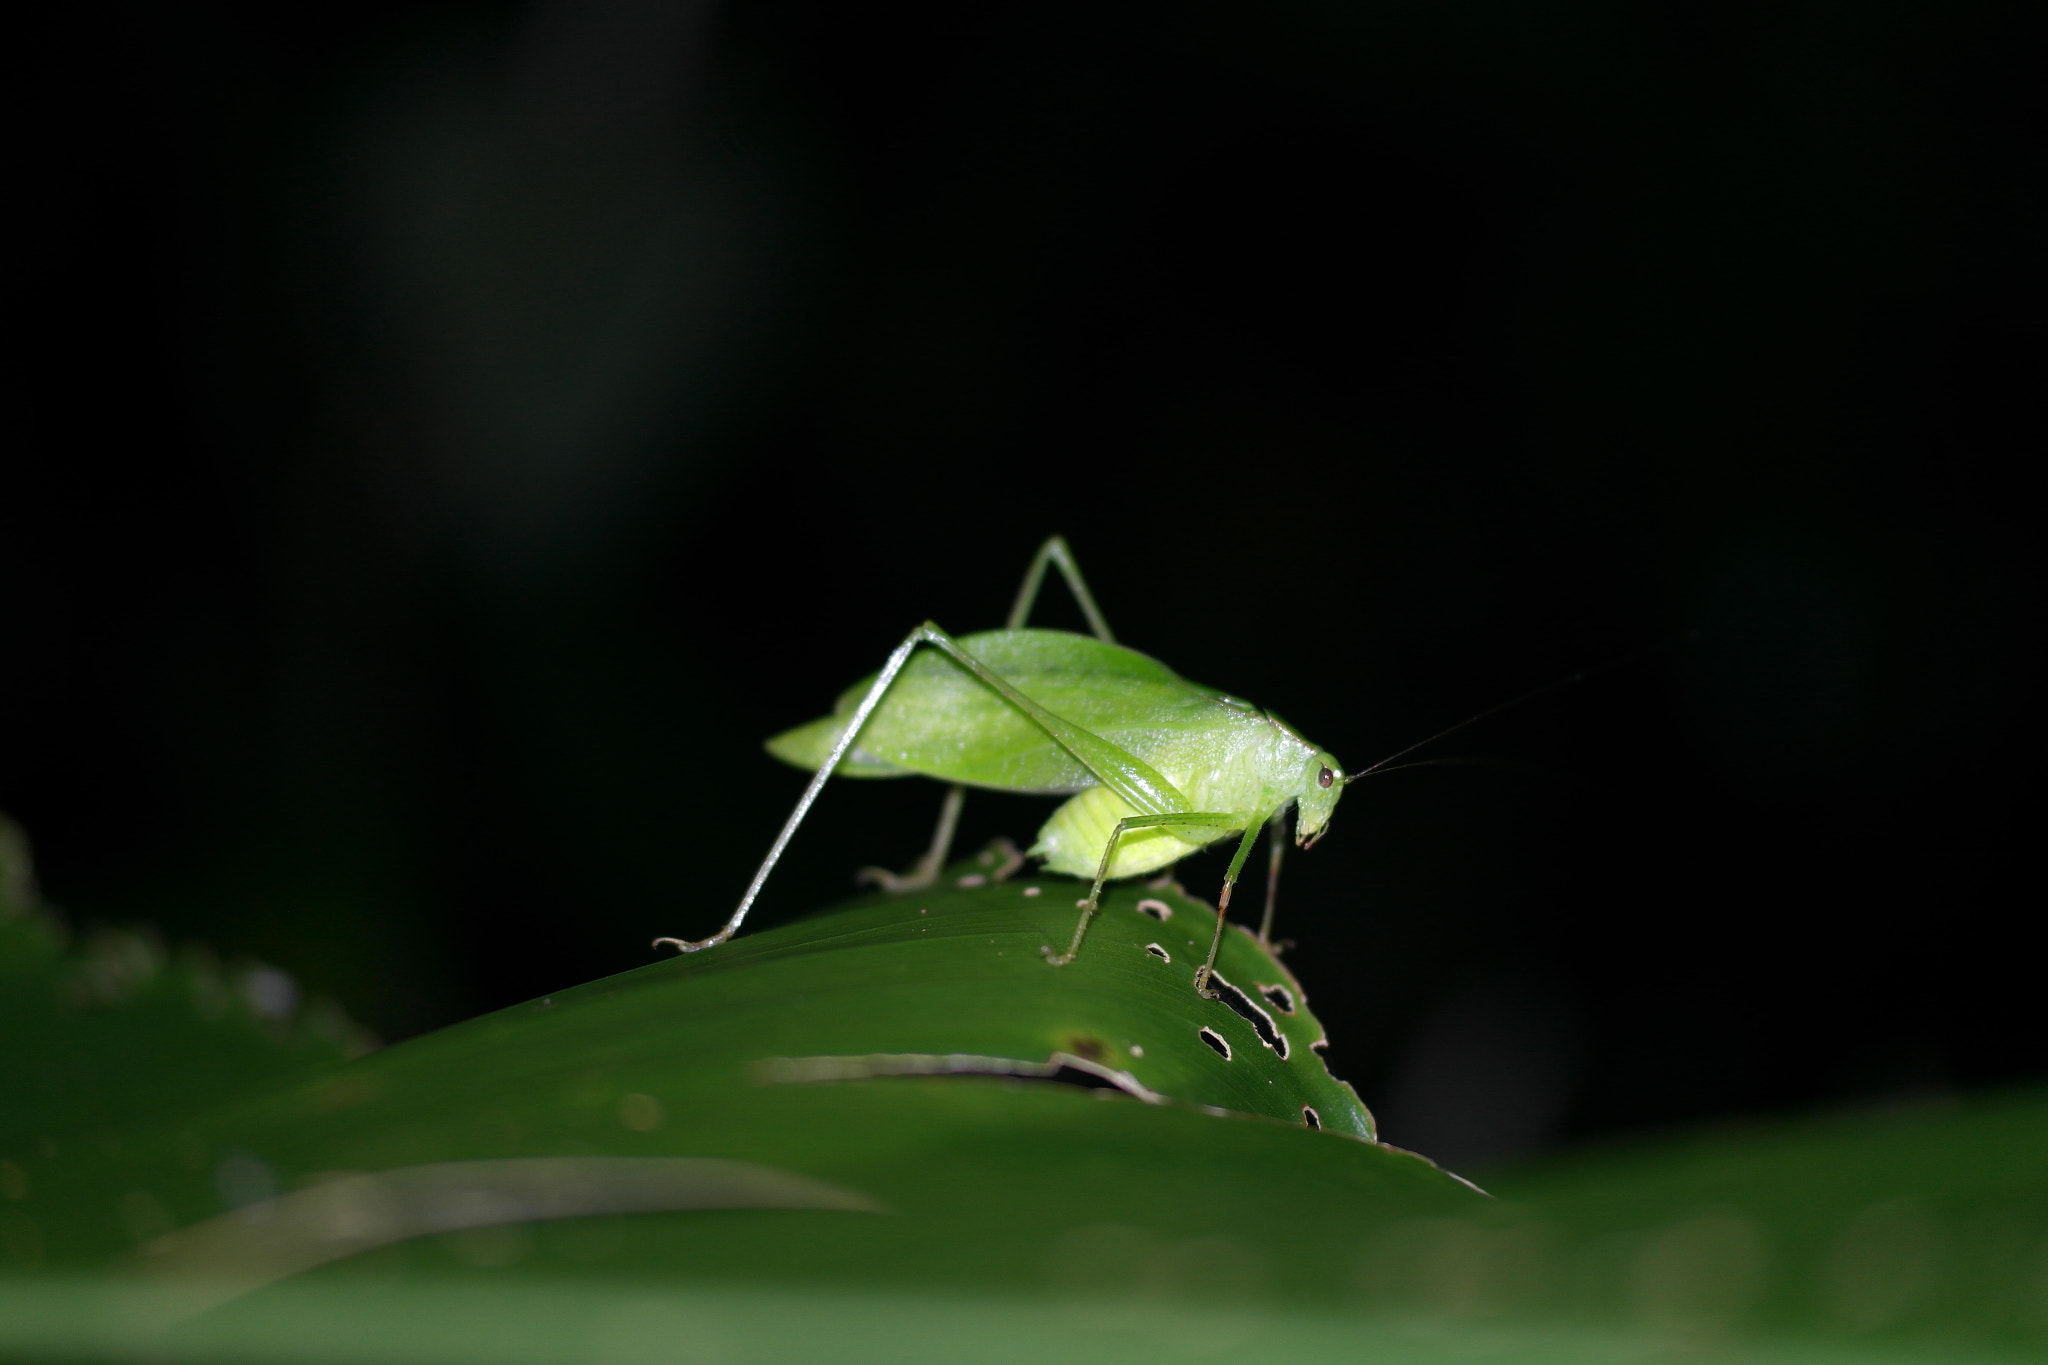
(1311, 1117)
(1158, 910)
(1241, 1004)
(1159, 952)
(1216, 1040)
(1279, 997)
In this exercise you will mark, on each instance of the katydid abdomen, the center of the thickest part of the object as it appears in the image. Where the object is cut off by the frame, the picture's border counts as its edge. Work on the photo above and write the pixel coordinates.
(1072, 841)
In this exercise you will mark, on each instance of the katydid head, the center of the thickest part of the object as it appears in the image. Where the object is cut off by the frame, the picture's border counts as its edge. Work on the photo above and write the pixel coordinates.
(1322, 783)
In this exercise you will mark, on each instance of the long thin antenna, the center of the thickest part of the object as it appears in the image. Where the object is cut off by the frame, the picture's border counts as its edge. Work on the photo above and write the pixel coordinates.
(1507, 705)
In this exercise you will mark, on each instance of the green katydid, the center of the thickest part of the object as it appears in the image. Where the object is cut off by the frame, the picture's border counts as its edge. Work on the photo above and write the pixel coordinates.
(1156, 767)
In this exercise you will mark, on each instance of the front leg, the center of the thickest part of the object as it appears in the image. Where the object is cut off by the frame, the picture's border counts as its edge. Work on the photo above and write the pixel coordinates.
(1278, 828)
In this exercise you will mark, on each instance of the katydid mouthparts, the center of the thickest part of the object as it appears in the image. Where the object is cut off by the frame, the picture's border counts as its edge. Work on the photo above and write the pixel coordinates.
(1154, 767)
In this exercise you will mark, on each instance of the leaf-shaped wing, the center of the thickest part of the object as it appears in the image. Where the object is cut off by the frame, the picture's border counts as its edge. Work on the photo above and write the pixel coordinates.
(939, 721)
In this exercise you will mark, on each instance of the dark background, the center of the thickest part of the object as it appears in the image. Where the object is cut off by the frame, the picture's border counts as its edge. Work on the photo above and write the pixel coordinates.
(450, 438)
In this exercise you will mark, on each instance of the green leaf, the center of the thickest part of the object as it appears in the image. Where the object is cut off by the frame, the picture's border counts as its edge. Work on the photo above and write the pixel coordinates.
(904, 1048)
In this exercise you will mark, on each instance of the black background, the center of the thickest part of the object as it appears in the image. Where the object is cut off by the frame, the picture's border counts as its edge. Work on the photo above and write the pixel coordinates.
(452, 437)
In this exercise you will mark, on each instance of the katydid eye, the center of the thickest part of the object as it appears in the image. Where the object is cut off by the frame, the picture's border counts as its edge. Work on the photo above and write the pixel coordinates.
(1325, 778)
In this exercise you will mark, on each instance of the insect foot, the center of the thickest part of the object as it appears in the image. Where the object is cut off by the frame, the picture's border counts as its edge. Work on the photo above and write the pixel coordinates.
(896, 883)
(683, 945)
(1002, 857)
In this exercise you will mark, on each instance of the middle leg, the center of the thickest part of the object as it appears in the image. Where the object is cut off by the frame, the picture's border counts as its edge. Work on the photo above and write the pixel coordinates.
(1184, 820)
(926, 869)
